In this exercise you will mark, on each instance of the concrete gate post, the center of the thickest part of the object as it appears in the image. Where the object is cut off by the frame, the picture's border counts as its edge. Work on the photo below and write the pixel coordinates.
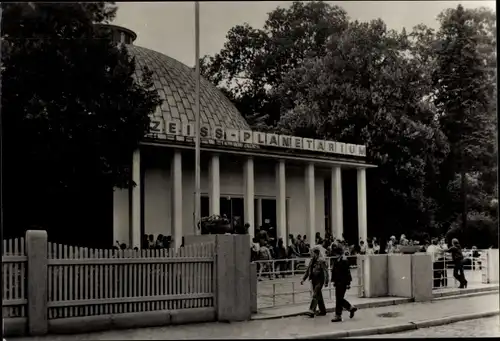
(36, 251)
(235, 290)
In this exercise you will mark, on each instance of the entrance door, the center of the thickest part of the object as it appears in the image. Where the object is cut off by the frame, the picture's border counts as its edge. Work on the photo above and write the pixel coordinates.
(234, 210)
(237, 212)
(225, 207)
(269, 215)
(205, 207)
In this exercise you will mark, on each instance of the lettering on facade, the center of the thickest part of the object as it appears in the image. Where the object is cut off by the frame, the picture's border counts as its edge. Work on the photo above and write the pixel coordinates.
(174, 129)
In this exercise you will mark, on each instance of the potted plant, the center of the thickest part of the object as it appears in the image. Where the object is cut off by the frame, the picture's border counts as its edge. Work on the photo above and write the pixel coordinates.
(215, 224)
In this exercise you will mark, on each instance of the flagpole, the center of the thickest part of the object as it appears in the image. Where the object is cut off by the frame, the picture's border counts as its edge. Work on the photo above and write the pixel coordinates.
(197, 199)
(1, 160)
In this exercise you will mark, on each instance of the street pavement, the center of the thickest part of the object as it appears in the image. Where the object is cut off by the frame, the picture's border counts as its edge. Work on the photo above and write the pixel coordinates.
(298, 326)
(485, 327)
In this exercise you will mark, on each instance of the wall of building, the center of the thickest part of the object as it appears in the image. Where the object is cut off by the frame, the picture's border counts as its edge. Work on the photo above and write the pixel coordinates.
(157, 194)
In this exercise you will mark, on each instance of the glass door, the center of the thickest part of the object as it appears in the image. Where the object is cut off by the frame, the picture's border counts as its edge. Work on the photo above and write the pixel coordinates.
(269, 216)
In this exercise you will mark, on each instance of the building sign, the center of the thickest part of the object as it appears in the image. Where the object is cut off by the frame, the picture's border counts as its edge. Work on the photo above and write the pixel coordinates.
(159, 127)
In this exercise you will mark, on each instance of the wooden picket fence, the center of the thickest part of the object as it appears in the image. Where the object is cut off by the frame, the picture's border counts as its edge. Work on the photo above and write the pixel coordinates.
(14, 263)
(85, 282)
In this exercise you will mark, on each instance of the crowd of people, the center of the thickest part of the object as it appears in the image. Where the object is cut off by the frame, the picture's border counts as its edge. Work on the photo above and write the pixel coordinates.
(276, 258)
(150, 243)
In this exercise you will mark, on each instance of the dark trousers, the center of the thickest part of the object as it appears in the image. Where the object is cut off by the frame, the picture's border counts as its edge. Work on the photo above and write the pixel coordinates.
(340, 301)
(458, 273)
(439, 274)
(317, 299)
(280, 267)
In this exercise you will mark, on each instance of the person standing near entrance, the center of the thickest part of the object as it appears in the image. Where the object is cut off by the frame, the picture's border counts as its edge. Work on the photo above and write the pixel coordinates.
(341, 278)
(458, 265)
(317, 273)
(437, 256)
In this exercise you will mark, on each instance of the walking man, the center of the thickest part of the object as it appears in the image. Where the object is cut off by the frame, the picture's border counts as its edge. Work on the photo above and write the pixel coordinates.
(341, 278)
(317, 272)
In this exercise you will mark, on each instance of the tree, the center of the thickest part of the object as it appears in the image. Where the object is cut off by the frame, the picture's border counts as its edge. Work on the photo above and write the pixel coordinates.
(464, 94)
(73, 114)
(367, 90)
(252, 61)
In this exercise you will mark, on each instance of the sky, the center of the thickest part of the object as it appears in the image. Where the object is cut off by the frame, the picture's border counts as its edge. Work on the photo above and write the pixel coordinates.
(168, 27)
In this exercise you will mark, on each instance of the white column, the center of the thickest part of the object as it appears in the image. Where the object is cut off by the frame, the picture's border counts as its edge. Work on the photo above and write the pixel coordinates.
(310, 202)
(362, 219)
(176, 178)
(258, 223)
(214, 185)
(135, 223)
(249, 196)
(281, 200)
(336, 205)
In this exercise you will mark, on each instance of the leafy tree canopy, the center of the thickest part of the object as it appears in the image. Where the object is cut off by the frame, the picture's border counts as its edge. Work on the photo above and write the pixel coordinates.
(73, 109)
(465, 97)
(424, 102)
(253, 61)
(365, 90)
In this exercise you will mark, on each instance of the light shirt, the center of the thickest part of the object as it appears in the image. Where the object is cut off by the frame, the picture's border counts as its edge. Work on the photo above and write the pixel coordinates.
(322, 250)
(390, 247)
(435, 251)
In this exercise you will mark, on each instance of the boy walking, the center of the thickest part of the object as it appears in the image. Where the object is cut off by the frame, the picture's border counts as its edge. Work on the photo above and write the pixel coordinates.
(341, 278)
(317, 272)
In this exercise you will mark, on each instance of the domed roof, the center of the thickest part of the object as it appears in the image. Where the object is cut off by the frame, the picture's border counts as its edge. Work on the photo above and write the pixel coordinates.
(176, 82)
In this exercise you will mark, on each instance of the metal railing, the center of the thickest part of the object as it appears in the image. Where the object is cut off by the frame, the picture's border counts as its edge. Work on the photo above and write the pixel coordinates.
(279, 281)
(475, 270)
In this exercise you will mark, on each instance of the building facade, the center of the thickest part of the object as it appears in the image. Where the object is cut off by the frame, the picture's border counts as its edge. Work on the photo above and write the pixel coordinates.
(250, 176)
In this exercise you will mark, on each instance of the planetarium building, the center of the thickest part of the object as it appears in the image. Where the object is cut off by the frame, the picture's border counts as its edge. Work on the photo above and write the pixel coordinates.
(291, 183)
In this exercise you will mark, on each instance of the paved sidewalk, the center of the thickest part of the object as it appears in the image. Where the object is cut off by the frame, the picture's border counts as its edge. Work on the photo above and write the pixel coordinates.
(297, 309)
(285, 292)
(298, 326)
(484, 327)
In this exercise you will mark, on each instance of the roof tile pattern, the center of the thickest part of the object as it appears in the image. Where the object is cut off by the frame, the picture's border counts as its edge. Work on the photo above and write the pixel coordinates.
(176, 82)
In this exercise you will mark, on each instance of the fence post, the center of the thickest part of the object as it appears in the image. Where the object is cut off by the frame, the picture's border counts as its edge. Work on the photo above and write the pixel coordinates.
(360, 262)
(253, 288)
(492, 265)
(36, 252)
(485, 278)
